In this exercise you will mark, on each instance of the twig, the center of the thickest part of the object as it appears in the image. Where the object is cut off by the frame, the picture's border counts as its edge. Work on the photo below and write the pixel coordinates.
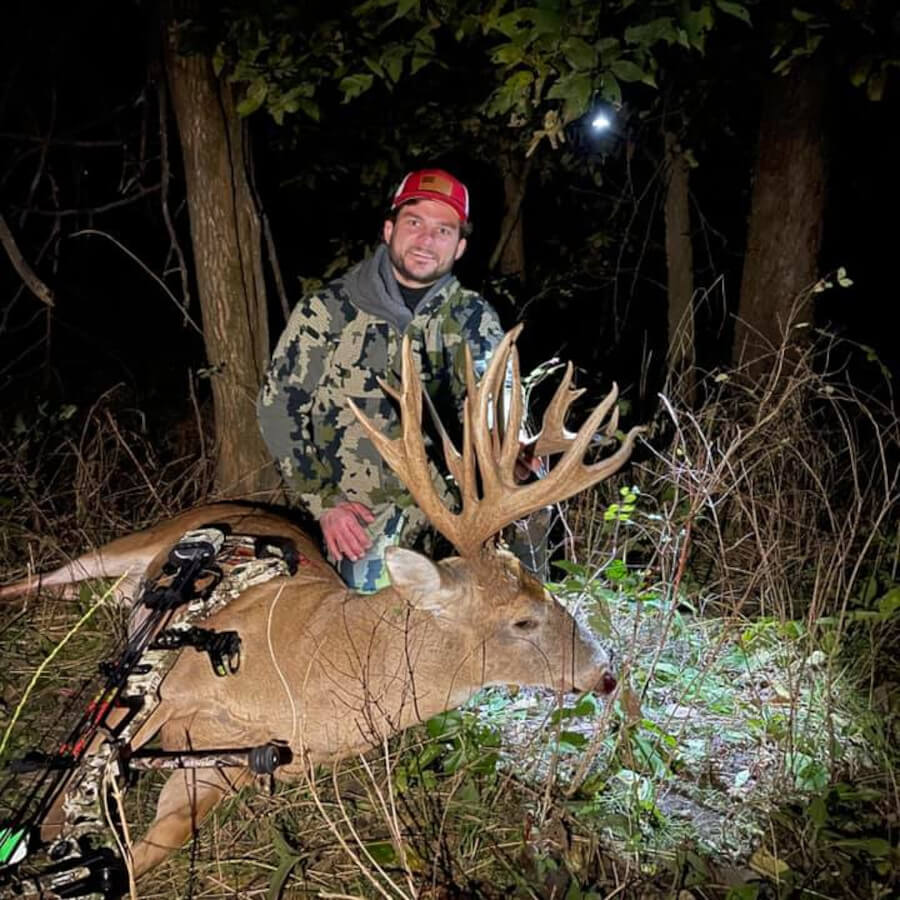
(19, 263)
(309, 776)
(276, 268)
(111, 784)
(165, 175)
(150, 272)
(58, 142)
(192, 391)
(270, 244)
(93, 210)
(133, 458)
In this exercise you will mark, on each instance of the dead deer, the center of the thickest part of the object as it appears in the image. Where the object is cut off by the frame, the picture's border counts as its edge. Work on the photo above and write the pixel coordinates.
(332, 673)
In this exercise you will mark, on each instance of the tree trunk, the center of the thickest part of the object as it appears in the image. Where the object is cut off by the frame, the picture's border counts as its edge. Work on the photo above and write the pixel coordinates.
(509, 252)
(786, 212)
(225, 234)
(680, 265)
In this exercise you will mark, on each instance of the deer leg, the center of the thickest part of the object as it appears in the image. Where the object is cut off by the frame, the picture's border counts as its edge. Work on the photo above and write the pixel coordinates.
(185, 800)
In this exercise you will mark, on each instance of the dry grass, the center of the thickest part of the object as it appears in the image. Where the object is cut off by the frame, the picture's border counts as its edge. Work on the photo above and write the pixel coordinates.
(769, 506)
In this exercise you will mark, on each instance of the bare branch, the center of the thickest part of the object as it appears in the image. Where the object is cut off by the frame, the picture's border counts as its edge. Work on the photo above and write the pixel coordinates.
(165, 174)
(105, 207)
(60, 142)
(26, 273)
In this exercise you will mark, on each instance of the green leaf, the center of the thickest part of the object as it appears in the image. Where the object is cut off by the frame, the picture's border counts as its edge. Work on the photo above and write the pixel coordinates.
(428, 755)
(511, 94)
(403, 7)
(374, 65)
(382, 852)
(419, 61)
(392, 60)
(809, 774)
(517, 26)
(546, 20)
(609, 49)
(697, 23)
(580, 54)
(743, 892)
(218, 59)
(354, 85)
(508, 54)
(309, 107)
(738, 10)
(860, 72)
(890, 602)
(445, 724)
(572, 740)
(626, 70)
(648, 34)
(818, 811)
(287, 859)
(877, 847)
(611, 90)
(875, 86)
(424, 37)
(588, 705)
(254, 97)
(279, 878)
(842, 278)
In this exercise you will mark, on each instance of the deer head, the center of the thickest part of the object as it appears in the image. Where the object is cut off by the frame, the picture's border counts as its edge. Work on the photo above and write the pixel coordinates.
(484, 471)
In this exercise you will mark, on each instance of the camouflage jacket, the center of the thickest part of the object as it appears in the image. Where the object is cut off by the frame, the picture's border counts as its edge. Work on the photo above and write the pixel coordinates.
(336, 344)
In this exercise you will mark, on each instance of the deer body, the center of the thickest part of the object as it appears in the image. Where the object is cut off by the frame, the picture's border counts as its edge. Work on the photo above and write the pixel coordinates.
(330, 672)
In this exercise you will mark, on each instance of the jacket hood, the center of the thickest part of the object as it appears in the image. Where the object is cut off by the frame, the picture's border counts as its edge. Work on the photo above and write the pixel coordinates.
(372, 287)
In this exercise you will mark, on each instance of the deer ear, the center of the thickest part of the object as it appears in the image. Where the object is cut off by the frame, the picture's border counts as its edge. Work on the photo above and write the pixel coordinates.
(416, 578)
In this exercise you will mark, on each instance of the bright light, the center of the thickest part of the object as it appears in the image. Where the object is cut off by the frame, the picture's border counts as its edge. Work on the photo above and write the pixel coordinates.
(601, 122)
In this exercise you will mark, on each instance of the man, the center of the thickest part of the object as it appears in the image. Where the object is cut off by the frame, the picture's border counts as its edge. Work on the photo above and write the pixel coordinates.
(339, 340)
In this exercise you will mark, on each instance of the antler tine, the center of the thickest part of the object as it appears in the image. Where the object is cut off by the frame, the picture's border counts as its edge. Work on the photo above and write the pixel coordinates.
(468, 484)
(406, 454)
(571, 464)
(554, 437)
(492, 457)
(393, 393)
(496, 437)
(613, 425)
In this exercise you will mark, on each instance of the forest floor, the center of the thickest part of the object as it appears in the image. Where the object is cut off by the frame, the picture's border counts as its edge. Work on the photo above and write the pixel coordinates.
(732, 761)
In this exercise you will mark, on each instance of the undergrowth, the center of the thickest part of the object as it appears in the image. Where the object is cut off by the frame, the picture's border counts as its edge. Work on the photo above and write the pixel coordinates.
(744, 572)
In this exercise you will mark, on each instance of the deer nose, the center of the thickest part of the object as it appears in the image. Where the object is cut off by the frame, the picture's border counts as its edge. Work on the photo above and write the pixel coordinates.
(607, 683)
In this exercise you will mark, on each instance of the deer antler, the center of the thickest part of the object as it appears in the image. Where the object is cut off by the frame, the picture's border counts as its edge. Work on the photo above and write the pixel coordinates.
(485, 468)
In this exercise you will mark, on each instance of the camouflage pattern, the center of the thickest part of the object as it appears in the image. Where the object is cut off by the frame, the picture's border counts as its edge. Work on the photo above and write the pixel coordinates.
(332, 350)
(369, 574)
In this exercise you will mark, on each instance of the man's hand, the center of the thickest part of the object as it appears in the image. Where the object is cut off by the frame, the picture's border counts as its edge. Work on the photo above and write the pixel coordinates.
(344, 533)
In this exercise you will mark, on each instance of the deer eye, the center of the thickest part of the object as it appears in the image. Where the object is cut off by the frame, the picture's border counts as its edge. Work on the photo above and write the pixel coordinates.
(526, 624)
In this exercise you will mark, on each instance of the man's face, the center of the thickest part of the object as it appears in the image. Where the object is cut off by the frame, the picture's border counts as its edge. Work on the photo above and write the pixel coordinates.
(423, 242)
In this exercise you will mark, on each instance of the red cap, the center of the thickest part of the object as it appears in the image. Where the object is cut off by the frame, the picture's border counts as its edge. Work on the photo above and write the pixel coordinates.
(434, 184)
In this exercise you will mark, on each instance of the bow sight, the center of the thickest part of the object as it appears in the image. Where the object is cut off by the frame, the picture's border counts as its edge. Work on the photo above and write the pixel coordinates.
(203, 570)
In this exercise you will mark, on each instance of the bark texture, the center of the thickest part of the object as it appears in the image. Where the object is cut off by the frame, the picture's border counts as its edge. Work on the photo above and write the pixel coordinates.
(509, 253)
(225, 234)
(786, 213)
(680, 268)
